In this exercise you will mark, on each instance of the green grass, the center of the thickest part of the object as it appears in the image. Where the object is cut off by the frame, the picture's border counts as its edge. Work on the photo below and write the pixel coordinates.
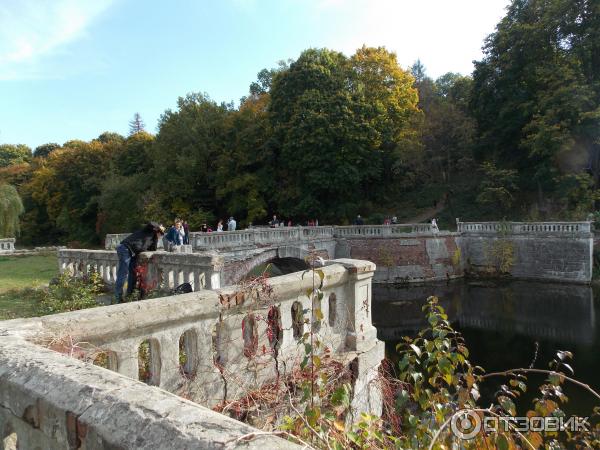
(20, 276)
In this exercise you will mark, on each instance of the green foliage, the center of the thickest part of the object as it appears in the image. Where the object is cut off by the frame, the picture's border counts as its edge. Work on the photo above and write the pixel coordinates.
(341, 126)
(42, 151)
(14, 154)
(11, 208)
(497, 186)
(69, 293)
(536, 92)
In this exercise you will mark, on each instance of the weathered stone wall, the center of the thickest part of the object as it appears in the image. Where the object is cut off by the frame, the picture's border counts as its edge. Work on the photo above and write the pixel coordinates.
(51, 400)
(407, 258)
(544, 252)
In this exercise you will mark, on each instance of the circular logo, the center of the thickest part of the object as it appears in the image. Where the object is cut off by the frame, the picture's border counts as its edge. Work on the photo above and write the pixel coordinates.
(465, 424)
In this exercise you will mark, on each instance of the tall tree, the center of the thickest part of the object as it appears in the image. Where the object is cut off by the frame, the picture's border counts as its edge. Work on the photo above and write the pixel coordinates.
(185, 155)
(14, 154)
(42, 151)
(536, 93)
(136, 124)
(11, 208)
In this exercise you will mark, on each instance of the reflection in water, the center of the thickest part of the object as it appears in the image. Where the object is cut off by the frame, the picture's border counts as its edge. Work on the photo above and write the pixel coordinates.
(558, 312)
(503, 323)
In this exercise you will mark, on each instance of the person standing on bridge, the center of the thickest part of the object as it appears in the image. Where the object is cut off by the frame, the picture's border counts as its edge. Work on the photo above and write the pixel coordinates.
(359, 220)
(231, 225)
(175, 236)
(144, 240)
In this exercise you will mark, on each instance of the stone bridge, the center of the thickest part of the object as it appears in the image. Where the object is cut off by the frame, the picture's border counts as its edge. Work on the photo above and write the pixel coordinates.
(56, 391)
(405, 253)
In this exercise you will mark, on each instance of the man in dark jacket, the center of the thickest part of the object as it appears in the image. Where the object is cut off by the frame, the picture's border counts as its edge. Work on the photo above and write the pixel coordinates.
(144, 240)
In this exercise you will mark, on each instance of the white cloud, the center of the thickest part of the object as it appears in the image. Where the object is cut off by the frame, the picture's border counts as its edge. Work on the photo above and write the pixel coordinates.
(445, 35)
(33, 29)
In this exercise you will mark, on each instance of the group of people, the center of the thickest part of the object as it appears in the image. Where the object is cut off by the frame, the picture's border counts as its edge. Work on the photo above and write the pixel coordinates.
(231, 226)
(275, 222)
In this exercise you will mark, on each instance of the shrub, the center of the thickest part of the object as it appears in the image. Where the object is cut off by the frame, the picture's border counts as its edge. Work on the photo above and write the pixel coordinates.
(69, 293)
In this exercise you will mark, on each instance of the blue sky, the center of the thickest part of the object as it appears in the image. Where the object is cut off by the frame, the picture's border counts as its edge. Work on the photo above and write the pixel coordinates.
(72, 69)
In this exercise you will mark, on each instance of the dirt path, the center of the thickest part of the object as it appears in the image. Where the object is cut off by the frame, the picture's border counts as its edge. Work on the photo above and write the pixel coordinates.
(427, 214)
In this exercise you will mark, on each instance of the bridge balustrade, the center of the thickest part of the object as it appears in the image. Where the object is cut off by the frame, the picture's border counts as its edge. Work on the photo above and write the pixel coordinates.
(85, 404)
(169, 269)
(555, 228)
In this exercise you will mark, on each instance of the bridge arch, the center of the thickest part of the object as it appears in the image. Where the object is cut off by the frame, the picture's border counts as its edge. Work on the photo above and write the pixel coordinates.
(284, 260)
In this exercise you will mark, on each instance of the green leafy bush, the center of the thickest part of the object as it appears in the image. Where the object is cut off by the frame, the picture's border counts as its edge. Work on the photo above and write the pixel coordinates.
(69, 293)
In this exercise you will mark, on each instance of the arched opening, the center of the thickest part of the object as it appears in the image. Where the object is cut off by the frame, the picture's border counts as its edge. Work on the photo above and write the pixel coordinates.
(274, 329)
(188, 353)
(149, 362)
(332, 314)
(297, 320)
(250, 334)
(277, 267)
(106, 359)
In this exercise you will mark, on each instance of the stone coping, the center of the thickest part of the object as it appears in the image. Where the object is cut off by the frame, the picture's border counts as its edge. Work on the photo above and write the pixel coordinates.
(102, 324)
(53, 401)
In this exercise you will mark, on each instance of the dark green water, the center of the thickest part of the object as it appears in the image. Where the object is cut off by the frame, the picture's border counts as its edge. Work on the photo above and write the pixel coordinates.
(501, 323)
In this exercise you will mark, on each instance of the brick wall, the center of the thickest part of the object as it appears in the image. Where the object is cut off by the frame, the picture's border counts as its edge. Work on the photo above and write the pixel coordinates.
(408, 259)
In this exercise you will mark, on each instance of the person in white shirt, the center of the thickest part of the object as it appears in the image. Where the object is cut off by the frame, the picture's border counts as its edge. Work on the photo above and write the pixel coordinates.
(231, 224)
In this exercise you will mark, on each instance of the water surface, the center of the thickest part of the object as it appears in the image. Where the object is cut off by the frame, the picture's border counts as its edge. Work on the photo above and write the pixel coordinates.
(501, 323)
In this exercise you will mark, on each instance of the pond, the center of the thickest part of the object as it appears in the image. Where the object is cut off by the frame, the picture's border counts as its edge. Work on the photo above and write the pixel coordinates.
(506, 325)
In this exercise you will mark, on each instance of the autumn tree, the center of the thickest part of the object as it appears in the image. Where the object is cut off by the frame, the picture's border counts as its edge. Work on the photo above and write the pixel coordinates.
(14, 154)
(42, 151)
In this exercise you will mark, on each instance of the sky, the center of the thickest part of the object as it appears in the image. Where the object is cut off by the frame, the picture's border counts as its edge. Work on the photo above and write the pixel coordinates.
(72, 69)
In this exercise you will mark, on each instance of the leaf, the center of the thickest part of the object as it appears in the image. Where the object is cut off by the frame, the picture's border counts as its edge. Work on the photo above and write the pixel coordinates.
(568, 367)
(339, 425)
(416, 349)
(445, 365)
(319, 314)
(470, 379)
(535, 439)
(501, 442)
(555, 378)
(316, 361)
(563, 354)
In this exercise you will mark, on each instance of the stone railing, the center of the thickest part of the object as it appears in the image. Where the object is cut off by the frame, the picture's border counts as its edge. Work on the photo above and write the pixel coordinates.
(7, 245)
(234, 339)
(555, 228)
(382, 230)
(233, 239)
(201, 270)
(51, 401)
(256, 237)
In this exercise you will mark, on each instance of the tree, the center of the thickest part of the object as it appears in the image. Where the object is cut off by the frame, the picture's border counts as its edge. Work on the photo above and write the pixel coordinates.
(342, 131)
(109, 136)
(537, 92)
(67, 186)
(136, 124)
(14, 154)
(185, 154)
(246, 175)
(11, 208)
(497, 187)
(42, 151)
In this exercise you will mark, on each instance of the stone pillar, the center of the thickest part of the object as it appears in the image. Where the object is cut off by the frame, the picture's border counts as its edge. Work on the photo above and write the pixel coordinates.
(362, 338)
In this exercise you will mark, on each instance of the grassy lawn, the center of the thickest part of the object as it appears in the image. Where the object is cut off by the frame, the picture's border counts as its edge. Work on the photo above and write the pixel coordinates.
(19, 278)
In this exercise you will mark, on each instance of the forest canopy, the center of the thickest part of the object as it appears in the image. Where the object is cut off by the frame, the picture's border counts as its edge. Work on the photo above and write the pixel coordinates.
(328, 136)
